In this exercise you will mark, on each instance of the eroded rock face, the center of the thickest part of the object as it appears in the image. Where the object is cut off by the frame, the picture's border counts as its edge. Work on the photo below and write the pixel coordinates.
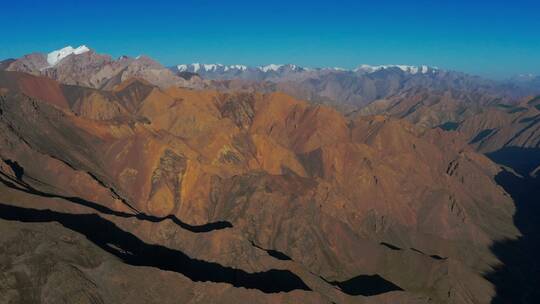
(211, 191)
(166, 183)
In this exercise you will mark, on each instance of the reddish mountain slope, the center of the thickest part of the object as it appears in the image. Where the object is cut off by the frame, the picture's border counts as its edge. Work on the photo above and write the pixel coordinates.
(239, 196)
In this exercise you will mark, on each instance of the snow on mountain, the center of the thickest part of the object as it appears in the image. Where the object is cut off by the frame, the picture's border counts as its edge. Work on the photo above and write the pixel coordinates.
(277, 67)
(423, 69)
(182, 67)
(220, 68)
(55, 57)
(216, 67)
(236, 67)
(196, 67)
(270, 67)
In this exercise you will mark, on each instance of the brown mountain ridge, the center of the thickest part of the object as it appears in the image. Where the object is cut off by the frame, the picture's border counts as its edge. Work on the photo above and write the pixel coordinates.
(208, 196)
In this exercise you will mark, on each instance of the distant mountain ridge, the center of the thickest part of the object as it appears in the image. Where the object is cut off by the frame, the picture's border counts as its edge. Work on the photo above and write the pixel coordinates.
(350, 89)
(345, 89)
(217, 71)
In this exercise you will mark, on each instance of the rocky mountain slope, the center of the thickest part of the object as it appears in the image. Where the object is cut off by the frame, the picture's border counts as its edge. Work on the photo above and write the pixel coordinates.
(145, 194)
(84, 67)
(508, 133)
(433, 108)
(490, 124)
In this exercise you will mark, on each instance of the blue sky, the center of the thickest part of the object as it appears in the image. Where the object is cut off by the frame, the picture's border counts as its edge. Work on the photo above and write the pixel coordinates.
(496, 38)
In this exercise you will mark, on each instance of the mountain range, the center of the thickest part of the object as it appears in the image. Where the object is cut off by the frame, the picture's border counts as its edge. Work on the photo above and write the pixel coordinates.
(344, 89)
(282, 72)
(124, 181)
(351, 89)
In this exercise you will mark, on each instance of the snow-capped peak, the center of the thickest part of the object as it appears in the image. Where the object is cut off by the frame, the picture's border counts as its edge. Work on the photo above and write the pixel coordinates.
(55, 57)
(214, 67)
(182, 67)
(277, 67)
(423, 69)
(337, 69)
(211, 67)
(270, 67)
(196, 67)
(220, 68)
(236, 67)
(217, 67)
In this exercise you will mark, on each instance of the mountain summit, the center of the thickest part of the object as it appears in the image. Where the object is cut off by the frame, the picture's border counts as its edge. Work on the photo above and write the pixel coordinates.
(56, 56)
(83, 66)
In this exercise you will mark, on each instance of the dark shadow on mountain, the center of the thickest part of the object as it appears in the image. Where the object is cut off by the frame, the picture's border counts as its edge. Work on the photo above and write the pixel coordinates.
(433, 256)
(481, 135)
(390, 246)
(16, 168)
(532, 101)
(134, 251)
(516, 279)
(529, 119)
(417, 251)
(273, 253)
(522, 160)
(449, 126)
(24, 187)
(437, 257)
(366, 285)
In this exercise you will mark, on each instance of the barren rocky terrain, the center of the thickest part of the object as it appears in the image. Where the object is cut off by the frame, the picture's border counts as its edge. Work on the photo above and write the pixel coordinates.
(125, 182)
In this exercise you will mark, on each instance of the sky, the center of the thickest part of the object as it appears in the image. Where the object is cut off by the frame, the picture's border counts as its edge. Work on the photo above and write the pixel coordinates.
(495, 39)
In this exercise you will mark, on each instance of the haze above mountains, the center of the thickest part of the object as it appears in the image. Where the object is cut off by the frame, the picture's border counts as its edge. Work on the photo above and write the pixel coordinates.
(125, 181)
